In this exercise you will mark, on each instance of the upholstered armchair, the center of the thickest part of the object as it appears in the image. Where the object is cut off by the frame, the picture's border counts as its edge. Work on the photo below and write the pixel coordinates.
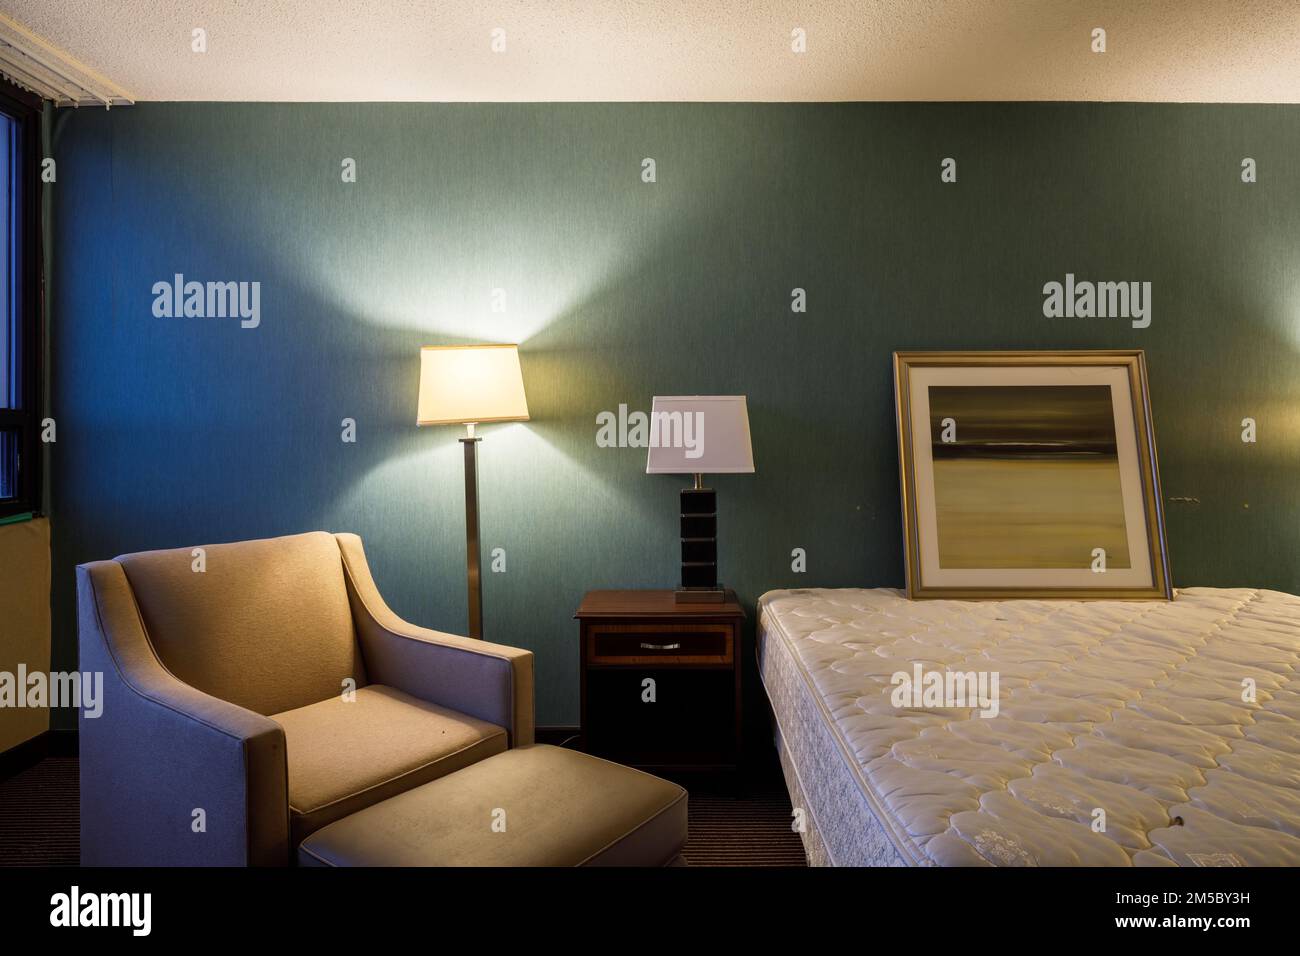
(255, 692)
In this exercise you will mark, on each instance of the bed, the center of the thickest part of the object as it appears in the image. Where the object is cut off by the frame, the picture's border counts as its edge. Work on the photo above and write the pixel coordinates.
(1144, 733)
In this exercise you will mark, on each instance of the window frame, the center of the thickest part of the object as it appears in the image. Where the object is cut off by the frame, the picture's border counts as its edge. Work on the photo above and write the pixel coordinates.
(24, 109)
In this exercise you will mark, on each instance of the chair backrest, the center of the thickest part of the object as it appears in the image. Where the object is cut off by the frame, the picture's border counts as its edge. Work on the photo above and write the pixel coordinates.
(265, 624)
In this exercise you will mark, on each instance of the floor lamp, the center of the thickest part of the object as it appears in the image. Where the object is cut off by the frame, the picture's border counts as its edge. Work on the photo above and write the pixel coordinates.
(471, 385)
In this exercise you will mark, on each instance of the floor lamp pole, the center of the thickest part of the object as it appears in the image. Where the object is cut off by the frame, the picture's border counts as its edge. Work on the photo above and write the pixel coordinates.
(473, 562)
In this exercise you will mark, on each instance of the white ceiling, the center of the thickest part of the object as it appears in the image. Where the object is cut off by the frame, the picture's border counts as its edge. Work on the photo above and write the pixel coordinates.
(630, 50)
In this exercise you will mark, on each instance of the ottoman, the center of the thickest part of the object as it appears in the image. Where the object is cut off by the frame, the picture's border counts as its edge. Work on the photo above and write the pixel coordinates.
(531, 806)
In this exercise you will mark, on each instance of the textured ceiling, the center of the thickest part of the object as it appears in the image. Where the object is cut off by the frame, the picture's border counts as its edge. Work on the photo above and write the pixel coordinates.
(1176, 50)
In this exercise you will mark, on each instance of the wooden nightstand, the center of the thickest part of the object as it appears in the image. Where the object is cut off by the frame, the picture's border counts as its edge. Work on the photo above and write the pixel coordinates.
(690, 652)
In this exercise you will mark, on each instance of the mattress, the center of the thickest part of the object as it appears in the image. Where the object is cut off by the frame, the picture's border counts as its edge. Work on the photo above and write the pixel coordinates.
(1126, 733)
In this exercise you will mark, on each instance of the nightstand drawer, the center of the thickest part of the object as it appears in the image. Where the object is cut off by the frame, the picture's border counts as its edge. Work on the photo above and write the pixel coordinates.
(629, 644)
(661, 680)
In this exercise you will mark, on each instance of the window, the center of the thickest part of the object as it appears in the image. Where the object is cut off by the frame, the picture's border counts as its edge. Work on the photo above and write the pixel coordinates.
(20, 326)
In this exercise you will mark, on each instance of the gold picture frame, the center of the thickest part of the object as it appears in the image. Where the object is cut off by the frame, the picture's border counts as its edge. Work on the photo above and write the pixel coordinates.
(1030, 489)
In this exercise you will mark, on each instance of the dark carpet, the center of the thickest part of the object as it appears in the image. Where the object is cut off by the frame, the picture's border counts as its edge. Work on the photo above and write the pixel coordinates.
(39, 821)
(751, 828)
(39, 816)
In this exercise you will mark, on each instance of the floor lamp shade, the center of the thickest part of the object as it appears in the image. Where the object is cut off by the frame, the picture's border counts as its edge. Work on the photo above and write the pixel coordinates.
(469, 385)
(460, 384)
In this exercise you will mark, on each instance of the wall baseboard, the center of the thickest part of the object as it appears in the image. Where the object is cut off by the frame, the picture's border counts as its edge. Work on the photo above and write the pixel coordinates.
(50, 743)
(556, 734)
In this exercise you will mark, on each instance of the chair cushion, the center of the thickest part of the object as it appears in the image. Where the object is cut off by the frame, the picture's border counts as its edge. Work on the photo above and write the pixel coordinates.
(559, 808)
(265, 625)
(344, 756)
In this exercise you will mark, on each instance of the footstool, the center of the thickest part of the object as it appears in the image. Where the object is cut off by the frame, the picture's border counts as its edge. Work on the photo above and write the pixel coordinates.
(531, 806)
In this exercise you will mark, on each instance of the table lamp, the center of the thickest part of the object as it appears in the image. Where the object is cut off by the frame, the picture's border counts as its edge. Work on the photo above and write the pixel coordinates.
(470, 385)
(699, 435)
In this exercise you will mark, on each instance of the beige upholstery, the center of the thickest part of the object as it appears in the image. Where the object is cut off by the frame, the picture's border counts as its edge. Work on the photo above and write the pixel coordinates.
(346, 755)
(195, 662)
(559, 808)
(266, 625)
(490, 681)
(161, 749)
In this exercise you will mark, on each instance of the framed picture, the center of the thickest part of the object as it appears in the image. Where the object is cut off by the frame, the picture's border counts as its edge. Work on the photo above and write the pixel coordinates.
(1029, 474)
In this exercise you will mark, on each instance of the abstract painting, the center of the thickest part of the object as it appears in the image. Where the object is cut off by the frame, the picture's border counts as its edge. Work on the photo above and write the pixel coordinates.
(1029, 474)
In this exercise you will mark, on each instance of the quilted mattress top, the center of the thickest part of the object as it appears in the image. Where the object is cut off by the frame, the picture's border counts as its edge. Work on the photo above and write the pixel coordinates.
(1152, 733)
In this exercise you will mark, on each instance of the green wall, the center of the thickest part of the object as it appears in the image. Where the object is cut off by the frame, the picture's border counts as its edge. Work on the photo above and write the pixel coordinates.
(184, 431)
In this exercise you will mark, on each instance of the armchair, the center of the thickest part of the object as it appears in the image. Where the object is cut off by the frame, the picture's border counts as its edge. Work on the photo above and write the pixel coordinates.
(265, 690)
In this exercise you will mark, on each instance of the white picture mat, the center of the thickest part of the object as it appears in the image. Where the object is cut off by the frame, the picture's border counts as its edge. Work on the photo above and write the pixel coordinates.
(1138, 575)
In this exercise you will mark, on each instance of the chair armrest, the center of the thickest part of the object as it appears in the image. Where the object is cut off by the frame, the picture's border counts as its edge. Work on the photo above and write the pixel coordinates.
(161, 750)
(489, 681)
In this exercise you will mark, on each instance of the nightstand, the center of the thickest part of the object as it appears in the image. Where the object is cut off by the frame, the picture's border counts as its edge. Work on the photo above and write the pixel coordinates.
(661, 680)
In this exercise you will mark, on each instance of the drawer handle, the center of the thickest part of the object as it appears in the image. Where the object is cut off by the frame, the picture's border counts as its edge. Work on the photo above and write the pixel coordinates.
(660, 647)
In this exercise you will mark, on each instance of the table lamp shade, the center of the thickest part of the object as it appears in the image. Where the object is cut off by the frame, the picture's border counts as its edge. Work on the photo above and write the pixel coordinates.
(699, 434)
(460, 384)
